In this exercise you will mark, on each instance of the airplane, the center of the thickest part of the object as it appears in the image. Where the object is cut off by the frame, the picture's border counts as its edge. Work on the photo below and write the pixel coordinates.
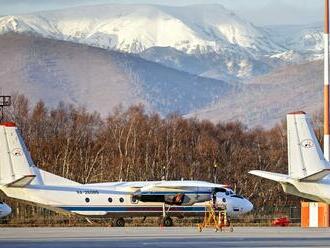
(21, 179)
(308, 171)
(4, 210)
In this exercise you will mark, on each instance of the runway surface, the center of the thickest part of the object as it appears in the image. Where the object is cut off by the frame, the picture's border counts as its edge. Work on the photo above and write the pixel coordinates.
(162, 237)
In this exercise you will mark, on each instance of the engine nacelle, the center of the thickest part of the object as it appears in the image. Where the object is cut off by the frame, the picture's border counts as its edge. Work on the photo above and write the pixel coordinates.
(175, 199)
(186, 200)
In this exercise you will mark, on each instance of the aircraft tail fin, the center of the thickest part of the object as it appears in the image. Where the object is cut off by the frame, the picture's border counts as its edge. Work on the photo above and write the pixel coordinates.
(15, 160)
(305, 157)
(16, 166)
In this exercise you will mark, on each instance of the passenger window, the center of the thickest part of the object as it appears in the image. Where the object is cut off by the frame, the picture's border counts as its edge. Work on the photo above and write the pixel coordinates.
(110, 199)
(121, 199)
(87, 200)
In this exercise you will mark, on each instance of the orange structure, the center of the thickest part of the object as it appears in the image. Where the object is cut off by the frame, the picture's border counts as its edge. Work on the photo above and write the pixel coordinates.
(314, 214)
(326, 144)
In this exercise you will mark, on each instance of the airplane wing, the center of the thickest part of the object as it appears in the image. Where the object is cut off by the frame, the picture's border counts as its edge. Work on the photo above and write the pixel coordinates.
(182, 185)
(183, 192)
(178, 192)
(179, 185)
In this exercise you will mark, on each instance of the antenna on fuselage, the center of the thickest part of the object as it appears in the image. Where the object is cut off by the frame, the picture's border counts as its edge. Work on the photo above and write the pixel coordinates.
(5, 101)
(215, 173)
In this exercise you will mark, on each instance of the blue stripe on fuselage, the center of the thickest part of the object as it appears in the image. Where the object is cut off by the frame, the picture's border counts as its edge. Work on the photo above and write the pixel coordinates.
(132, 209)
(172, 193)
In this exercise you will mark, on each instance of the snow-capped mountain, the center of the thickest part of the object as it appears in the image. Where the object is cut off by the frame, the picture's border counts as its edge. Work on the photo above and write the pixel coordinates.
(134, 28)
(226, 45)
(303, 43)
(198, 31)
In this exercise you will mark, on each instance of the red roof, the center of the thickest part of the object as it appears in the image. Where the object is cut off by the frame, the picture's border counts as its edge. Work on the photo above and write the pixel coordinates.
(8, 124)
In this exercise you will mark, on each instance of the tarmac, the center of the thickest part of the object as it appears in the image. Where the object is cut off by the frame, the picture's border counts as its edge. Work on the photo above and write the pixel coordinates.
(172, 237)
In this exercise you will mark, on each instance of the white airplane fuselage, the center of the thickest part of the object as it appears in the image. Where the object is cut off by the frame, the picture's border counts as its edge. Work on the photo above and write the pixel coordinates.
(89, 200)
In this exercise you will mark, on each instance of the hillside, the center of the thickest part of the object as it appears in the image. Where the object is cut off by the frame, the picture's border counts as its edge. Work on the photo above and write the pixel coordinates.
(98, 79)
(265, 100)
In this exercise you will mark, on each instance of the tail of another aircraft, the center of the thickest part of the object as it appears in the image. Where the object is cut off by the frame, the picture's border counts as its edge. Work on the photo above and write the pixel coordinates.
(305, 158)
(16, 166)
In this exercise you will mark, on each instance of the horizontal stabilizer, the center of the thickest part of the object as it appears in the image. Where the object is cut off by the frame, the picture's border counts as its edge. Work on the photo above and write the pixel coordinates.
(316, 176)
(22, 182)
(277, 177)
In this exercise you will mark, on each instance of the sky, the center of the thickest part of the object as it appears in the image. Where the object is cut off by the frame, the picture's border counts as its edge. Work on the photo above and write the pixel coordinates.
(260, 12)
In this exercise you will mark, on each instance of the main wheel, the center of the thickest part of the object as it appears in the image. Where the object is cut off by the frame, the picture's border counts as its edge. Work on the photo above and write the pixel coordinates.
(167, 221)
(119, 222)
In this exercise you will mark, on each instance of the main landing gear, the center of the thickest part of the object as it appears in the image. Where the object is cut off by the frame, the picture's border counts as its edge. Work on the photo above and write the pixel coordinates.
(118, 222)
(166, 220)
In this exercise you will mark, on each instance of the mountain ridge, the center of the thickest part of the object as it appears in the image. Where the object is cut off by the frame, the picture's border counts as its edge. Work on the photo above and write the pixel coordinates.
(213, 31)
(79, 74)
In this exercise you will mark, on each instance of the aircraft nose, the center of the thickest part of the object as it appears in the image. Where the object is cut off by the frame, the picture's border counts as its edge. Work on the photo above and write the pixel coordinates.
(248, 206)
(7, 210)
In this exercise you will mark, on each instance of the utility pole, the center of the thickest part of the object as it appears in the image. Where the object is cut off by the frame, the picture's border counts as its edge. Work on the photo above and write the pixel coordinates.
(215, 174)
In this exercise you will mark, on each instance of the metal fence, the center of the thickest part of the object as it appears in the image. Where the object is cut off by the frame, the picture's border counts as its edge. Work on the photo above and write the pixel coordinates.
(36, 216)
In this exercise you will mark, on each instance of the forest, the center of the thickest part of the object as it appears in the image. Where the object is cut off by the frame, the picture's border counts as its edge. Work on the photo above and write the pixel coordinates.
(132, 145)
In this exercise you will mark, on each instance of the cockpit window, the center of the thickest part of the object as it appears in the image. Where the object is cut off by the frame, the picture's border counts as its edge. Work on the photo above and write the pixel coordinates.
(220, 190)
(237, 196)
(229, 192)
